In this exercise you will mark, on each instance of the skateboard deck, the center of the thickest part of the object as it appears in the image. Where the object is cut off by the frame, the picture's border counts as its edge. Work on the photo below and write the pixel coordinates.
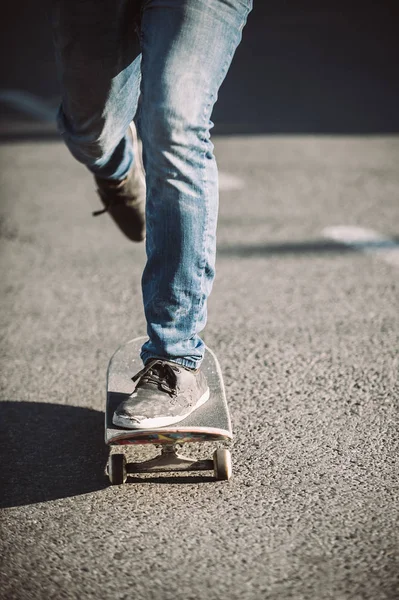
(209, 423)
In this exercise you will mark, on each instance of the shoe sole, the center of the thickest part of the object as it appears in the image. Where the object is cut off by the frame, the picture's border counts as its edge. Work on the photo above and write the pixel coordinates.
(158, 422)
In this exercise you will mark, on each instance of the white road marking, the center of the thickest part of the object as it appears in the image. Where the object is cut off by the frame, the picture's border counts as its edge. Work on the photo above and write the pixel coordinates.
(28, 104)
(228, 182)
(365, 240)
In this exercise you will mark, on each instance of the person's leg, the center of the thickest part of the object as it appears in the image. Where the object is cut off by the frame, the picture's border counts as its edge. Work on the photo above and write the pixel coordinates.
(187, 47)
(98, 63)
(98, 58)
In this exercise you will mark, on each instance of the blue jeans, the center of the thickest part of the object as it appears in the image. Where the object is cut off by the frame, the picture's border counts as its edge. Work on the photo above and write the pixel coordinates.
(168, 77)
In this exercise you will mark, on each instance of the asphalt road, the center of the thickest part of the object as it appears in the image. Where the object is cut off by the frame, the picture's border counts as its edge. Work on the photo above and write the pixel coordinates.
(307, 334)
(306, 330)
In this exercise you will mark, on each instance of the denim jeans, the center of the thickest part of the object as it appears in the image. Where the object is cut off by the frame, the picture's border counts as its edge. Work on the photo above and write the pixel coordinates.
(161, 62)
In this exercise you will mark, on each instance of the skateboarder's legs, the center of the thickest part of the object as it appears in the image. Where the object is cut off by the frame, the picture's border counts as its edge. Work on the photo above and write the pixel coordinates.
(98, 61)
(187, 47)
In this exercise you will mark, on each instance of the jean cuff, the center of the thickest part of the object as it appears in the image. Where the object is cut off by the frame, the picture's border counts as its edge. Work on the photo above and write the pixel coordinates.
(185, 362)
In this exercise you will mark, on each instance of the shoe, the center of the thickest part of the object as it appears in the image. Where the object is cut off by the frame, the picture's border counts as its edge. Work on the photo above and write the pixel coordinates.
(124, 200)
(166, 393)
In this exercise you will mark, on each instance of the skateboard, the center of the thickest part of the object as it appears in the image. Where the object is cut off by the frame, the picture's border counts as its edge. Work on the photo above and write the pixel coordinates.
(209, 423)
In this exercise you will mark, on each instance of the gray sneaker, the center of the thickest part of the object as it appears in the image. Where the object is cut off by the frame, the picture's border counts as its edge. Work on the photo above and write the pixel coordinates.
(124, 200)
(166, 393)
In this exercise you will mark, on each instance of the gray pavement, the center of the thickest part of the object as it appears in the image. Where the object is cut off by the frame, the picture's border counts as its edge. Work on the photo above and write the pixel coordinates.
(307, 334)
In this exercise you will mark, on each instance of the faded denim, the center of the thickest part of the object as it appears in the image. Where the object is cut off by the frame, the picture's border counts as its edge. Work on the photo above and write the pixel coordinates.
(161, 62)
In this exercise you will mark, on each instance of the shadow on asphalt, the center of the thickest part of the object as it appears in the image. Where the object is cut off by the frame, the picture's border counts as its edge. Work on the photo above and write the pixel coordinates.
(171, 479)
(313, 247)
(49, 451)
(52, 451)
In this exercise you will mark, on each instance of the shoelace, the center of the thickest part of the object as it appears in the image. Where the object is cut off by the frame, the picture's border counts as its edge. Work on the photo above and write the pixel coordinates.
(95, 213)
(163, 376)
(110, 203)
(113, 200)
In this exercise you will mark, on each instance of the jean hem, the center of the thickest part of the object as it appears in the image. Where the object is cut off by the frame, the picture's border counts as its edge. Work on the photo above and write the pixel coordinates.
(184, 362)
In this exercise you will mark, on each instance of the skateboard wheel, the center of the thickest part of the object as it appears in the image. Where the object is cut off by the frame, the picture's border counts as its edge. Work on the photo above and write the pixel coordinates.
(117, 469)
(222, 464)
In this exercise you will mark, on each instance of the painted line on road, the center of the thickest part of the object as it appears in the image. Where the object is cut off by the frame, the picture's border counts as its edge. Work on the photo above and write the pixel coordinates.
(28, 104)
(365, 240)
(228, 182)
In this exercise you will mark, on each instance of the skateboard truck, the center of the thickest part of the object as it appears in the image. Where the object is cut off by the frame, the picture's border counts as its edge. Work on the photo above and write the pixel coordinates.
(169, 461)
